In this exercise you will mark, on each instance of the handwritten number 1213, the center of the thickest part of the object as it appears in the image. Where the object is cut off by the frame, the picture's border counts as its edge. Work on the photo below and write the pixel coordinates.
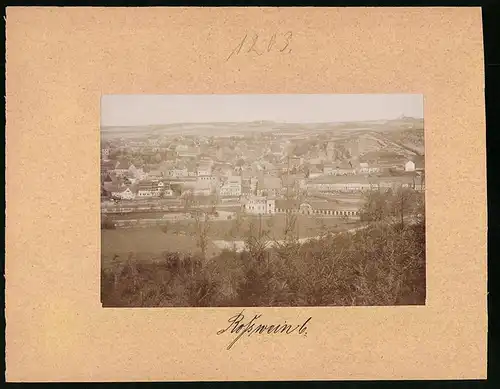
(256, 45)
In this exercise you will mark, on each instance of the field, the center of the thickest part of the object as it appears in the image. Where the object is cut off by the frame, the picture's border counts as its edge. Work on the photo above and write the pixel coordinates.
(180, 236)
(274, 227)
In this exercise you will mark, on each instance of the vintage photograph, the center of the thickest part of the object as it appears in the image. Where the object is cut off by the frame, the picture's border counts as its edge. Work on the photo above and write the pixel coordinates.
(262, 200)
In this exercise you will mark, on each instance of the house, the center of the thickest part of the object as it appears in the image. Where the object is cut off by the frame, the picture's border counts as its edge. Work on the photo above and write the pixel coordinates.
(189, 152)
(125, 193)
(181, 148)
(260, 205)
(180, 171)
(232, 187)
(333, 208)
(170, 155)
(365, 167)
(155, 174)
(204, 170)
(167, 168)
(165, 189)
(246, 186)
(270, 186)
(319, 208)
(339, 169)
(410, 166)
(394, 182)
(281, 167)
(148, 189)
(123, 166)
(105, 153)
(338, 184)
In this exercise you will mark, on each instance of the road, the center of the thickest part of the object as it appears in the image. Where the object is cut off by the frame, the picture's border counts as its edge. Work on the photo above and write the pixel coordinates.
(239, 245)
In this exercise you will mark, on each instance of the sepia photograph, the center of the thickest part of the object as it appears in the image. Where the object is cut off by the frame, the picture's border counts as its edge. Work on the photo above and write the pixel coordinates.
(262, 200)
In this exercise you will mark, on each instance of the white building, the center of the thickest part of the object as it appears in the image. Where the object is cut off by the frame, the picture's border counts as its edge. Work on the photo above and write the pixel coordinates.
(259, 205)
(123, 193)
(105, 153)
(148, 189)
(410, 166)
(232, 187)
(179, 172)
(204, 170)
(364, 167)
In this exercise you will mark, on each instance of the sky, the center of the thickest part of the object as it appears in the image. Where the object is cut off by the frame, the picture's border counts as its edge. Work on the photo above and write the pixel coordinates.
(136, 110)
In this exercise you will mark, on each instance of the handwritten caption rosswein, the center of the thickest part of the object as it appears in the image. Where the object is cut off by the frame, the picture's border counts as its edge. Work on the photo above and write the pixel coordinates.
(238, 325)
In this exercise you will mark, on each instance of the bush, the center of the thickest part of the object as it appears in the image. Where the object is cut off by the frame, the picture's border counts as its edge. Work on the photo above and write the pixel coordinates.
(107, 224)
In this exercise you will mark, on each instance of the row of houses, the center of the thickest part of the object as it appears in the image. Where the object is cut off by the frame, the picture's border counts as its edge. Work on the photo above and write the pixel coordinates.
(353, 167)
(235, 186)
(260, 205)
(362, 183)
(144, 189)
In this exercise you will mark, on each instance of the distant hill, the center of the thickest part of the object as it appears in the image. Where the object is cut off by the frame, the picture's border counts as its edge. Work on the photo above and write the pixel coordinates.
(237, 128)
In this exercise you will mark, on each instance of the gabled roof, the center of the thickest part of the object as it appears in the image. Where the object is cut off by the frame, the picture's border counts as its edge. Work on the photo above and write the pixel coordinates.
(344, 165)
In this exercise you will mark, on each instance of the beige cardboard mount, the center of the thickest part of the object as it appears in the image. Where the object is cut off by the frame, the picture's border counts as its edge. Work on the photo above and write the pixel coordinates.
(60, 61)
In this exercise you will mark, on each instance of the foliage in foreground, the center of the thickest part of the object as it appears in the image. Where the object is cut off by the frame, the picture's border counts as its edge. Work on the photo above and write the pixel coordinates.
(383, 264)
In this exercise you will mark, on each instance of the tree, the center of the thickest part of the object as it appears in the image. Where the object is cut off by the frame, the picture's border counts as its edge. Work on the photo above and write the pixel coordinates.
(202, 229)
(307, 171)
(176, 188)
(188, 198)
(256, 240)
(166, 227)
(403, 203)
(376, 206)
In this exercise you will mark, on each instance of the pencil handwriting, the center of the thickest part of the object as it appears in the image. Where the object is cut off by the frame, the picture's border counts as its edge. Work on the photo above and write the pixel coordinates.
(254, 44)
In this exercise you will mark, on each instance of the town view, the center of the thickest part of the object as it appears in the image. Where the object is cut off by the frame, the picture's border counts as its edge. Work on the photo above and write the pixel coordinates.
(263, 213)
